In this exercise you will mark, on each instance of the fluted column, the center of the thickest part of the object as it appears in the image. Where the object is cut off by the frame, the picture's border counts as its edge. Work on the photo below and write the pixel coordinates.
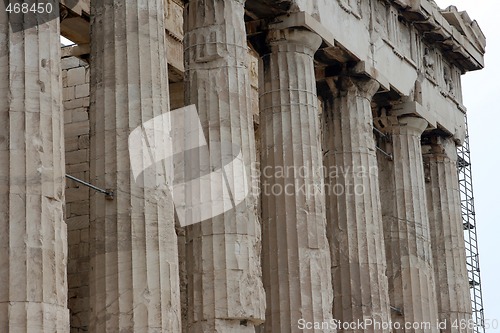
(33, 245)
(446, 228)
(134, 283)
(225, 292)
(410, 270)
(296, 259)
(354, 215)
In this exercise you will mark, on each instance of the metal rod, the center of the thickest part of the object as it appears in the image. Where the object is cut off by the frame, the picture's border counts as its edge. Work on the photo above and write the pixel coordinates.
(397, 310)
(108, 193)
(380, 132)
(389, 156)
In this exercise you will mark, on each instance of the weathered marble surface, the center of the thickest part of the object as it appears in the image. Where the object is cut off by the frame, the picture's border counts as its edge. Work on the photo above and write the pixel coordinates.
(446, 229)
(355, 230)
(410, 264)
(33, 236)
(225, 292)
(296, 258)
(134, 281)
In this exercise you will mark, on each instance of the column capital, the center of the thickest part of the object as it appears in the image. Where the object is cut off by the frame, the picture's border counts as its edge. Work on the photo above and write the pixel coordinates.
(295, 36)
(404, 125)
(440, 146)
(364, 87)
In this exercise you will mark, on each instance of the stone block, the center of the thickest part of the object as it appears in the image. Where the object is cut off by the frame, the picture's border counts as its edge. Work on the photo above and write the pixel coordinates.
(79, 208)
(83, 141)
(77, 129)
(79, 167)
(76, 76)
(84, 235)
(76, 103)
(78, 222)
(67, 117)
(80, 114)
(71, 62)
(71, 144)
(82, 90)
(76, 194)
(84, 249)
(73, 237)
(68, 93)
(77, 156)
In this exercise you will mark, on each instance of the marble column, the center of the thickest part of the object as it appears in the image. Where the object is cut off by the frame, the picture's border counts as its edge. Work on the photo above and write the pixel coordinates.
(410, 268)
(33, 239)
(134, 282)
(296, 258)
(355, 230)
(225, 291)
(446, 228)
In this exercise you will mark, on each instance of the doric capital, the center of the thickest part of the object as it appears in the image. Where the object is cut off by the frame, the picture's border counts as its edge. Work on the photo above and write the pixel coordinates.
(364, 87)
(294, 36)
(413, 125)
(441, 147)
(406, 125)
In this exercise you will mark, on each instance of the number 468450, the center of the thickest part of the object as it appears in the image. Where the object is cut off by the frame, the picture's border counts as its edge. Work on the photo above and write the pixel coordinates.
(26, 8)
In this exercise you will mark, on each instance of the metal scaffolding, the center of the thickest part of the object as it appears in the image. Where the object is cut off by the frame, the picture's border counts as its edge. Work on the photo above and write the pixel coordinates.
(470, 232)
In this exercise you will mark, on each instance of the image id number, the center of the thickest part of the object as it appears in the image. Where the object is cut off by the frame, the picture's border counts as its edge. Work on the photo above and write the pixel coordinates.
(25, 8)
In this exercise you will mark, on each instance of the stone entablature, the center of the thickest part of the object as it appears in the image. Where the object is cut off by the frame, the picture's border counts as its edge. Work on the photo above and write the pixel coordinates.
(412, 48)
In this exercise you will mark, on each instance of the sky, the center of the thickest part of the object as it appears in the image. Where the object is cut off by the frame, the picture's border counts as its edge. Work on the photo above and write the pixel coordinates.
(480, 97)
